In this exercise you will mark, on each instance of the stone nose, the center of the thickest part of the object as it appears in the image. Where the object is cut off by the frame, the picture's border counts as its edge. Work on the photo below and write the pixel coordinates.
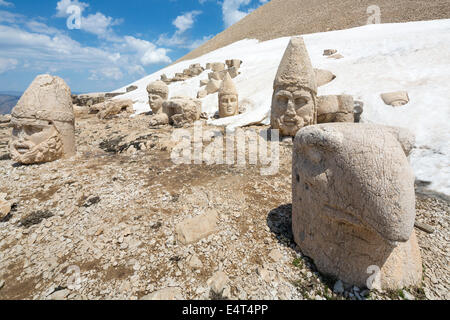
(290, 108)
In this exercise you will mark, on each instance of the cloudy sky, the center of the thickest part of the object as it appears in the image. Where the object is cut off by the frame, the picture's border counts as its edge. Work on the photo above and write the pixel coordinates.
(104, 44)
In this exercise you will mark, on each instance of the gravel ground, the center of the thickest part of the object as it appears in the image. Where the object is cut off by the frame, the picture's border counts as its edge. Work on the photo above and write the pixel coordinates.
(296, 17)
(102, 226)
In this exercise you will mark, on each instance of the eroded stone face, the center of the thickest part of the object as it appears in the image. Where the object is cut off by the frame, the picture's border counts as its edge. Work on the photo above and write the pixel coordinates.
(292, 109)
(158, 92)
(228, 105)
(354, 203)
(43, 122)
(35, 142)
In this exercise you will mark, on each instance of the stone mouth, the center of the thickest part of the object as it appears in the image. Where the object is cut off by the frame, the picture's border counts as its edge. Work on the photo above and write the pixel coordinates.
(22, 147)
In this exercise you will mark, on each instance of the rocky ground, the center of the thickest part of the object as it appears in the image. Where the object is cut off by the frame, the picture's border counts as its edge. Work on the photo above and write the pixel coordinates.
(106, 225)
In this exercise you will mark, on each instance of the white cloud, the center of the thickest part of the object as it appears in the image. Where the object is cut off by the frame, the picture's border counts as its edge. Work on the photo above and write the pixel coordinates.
(148, 53)
(231, 11)
(185, 21)
(7, 64)
(4, 3)
(100, 25)
(9, 17)
(108, 72)
(178, 39)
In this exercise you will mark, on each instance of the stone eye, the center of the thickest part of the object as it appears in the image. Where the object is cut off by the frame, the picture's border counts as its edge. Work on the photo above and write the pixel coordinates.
(283, 100)
(300, 102)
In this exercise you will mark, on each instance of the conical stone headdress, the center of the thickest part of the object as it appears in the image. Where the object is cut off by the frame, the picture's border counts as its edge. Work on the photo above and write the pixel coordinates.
(228, 86)
(295, 67)
(47, 98)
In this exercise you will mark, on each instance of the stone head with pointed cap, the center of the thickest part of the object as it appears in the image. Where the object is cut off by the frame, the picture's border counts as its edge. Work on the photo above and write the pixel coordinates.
(43, 122)
(228, 98)
(294, 101)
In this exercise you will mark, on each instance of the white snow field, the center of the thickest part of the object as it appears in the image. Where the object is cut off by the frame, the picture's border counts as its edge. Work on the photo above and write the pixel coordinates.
(381, 58)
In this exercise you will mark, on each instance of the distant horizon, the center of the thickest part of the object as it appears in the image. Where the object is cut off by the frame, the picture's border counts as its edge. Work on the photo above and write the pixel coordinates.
(99, 46)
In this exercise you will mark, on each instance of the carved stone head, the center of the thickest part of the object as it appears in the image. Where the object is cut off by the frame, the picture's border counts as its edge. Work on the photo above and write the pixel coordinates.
(228, 98)
(43, 122)
(158, 92)
(354, 202)
(294, 101)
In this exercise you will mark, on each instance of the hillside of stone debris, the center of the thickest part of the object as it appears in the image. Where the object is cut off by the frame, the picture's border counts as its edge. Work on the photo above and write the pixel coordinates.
(113, 223)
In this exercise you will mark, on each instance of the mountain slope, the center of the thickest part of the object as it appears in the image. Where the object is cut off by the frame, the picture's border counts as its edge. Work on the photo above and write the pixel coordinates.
(281, 18)
(7, 102)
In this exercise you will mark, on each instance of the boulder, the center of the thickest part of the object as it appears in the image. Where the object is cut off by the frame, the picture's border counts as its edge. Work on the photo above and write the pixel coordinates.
(194, 229)
(323, 77)
(335, 109)
(217, 66)
(203, 82)
(182, 110)
(233, 63)
(354, 204)
(329, 52)
(213, 86)
(112, 108)
(395, 99)
(132, 88)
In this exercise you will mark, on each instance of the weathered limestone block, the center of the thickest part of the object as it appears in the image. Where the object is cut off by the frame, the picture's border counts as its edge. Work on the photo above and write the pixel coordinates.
(233, 63)
(329, 52)
(44, 122)
(195, 229)
(215, 76)
(213, 86)
(323, 77)
(335, 109)
(131, 88)
(354, 204)
(182, 110)
(294, 101)
(233, 72)
(112, 108)
(217, 66)
(395, 99)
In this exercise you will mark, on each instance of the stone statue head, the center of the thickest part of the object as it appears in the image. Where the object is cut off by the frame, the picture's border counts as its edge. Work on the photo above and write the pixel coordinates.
(43, 122)
(354, 202)
(294, 101)
(228, 98)
(158, 92)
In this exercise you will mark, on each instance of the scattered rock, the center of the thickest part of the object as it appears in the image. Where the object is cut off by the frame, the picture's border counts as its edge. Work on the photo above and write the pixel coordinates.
(218, 282)
(194, 262)
(59, 295)
(5, 206)
(329, 52)
(35, 218)
(132, 88)
(165, 294)
(195, 229)
(338, 287)
(395, 99)
(275, 255)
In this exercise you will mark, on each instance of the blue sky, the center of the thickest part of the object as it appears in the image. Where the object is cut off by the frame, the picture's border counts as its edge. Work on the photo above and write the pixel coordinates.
(102, 45)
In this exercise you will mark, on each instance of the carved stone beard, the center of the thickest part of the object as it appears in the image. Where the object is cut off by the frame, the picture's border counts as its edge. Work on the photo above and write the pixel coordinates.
(49, 150)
